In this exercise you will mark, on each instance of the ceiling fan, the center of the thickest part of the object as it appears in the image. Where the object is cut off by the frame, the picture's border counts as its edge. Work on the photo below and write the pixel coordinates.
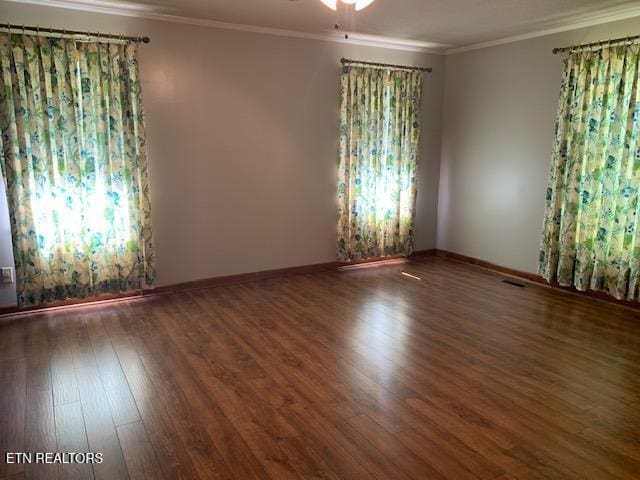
(360, 4)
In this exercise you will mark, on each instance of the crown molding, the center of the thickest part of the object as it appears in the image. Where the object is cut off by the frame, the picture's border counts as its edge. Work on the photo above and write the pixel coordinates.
(150, 13)
(611, 14)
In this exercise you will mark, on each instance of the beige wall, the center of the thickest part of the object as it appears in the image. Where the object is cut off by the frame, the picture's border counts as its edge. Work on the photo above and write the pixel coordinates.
(499, 115)
(243, 135)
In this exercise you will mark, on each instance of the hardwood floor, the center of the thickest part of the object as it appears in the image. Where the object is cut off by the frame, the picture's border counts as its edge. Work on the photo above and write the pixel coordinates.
(365, 373)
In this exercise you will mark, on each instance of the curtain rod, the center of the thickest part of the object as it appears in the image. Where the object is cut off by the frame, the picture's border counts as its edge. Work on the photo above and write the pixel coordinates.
(346, 61)
(63, 32)
(629, 38)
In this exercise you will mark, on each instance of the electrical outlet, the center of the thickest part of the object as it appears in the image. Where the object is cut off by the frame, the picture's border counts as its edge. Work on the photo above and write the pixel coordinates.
(7, 275)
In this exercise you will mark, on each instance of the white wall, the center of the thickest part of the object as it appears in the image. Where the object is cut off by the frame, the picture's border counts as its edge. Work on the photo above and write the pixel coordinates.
(7, 290)
(242, 135)
(499, 116)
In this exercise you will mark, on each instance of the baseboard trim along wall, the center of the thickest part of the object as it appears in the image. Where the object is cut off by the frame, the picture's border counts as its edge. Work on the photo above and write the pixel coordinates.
(8, 311)
(178, 287)
(242, 278)
(532, 277)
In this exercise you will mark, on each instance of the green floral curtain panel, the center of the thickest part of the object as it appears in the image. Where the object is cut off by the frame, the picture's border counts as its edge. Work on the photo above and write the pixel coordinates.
(591, 238)
(74, 163)
(379, 146)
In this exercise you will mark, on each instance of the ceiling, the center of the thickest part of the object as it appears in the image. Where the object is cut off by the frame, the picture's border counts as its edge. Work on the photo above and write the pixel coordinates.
(451, 23)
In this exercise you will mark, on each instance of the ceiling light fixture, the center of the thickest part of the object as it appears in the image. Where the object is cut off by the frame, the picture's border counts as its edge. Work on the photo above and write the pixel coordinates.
(360, 4)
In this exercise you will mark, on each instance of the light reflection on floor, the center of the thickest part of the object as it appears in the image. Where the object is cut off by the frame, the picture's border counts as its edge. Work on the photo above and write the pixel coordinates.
(381, 340)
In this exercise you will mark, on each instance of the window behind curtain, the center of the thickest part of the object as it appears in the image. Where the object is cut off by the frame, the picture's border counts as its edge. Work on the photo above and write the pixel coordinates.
(590, 237)
(74, 163)
(379, 147)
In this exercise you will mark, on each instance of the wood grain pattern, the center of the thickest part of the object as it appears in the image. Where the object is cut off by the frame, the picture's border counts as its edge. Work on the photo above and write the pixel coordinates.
(532, 277)
(72, 437)
(9, 310)
(360, 373)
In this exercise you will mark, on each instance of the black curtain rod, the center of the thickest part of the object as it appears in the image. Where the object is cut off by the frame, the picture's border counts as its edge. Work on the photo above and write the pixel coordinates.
(347, 61)
(630, 38)
(63, 32)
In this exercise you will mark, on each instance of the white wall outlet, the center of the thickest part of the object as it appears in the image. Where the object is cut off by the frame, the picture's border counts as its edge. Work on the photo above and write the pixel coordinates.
(7, 275)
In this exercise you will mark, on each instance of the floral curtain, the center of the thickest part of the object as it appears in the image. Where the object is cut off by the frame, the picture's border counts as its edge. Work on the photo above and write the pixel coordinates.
(591, 239)
(74, 163)
(379, 146)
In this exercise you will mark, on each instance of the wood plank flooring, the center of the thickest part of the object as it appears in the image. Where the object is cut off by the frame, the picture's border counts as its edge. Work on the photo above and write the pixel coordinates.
(358, 374)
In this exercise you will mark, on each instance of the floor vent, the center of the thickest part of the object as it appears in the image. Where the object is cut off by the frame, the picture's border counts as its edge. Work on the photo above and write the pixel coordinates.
(515, 284)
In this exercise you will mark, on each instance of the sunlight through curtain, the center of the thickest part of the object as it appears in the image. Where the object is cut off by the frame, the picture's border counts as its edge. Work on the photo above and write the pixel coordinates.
(74, 163)
(591, 238)
(379, 146)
